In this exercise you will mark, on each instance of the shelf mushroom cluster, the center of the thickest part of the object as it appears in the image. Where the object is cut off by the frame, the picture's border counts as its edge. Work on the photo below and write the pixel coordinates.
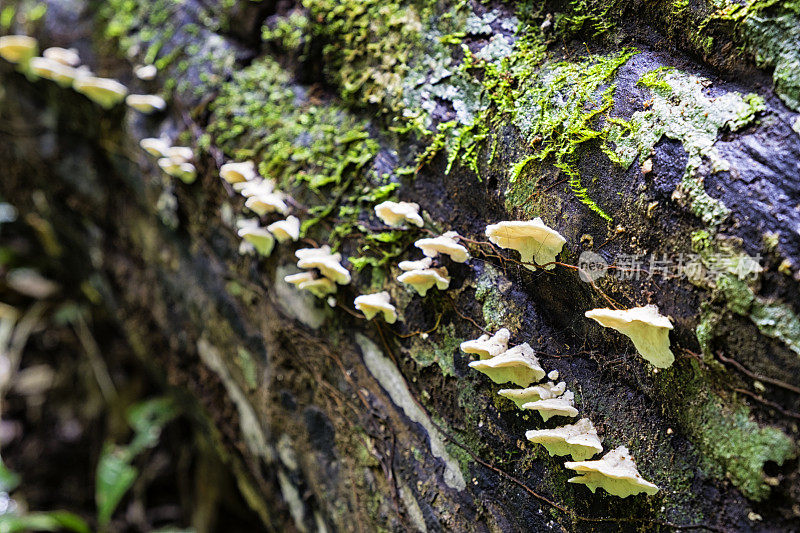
(615, 472)
(175, 161)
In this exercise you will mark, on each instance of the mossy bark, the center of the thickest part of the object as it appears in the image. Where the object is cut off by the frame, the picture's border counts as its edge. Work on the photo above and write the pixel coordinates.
(479, 113)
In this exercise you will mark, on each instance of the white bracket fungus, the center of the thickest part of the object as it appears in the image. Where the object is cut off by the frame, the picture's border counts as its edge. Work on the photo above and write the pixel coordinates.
(395, 213)
(261, 204)
(532, 239)
(486, 346)
(646, 327)
(186, 172)
(65, 56)
(615, 472)
(579, 440)
(52, 70)
(286, 230)
(145, 72)
(18, 49)
(518, 365)
(534, 393)
(307, 281)
(238, 172)
(422, 277)
(563, 405)
(146, 103)
(372, 304)
(180, 154)
(103, 91)
(444, 244)
(155, 147)
(259, 237)
(323, 260)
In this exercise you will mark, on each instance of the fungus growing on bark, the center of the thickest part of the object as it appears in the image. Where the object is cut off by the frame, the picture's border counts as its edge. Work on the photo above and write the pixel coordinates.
(563, 405)
(518, 365)
(238, 172)
(307, 281)
(486, 346)
(18, 49)
(186, 172)
(532, 394)
(532, 239)
(180, 154)
(372, 304)
(646, 327)
(422, 277)
(146, 103)
(65, 56)
(52, 70)
(103, 91)
(396, 213)
(272, 202)
(579, 440)
(444, 244)
(261, 239)
(145, 72)
(155, 147)
(323, 260)
(615, 472)
(286, 230)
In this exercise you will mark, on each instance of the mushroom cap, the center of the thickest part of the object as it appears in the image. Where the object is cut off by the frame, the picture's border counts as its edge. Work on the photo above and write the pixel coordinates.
(65, 56)
(145, 72)
(615, 472)
(532, 239)
(379, 302)
(238, 172)
(580, 440)
(17, 48)
(155, 147)
(563, 405)
(518, 365)
(103, 91)
(286, 230)
(53, 70)
(186, 172)
(534, 393)
(444, 244)
(395, 213)
(319, 287)
(420, 264)
(300, 277)
(486, 346)
(423, 280)
(180, 154)
(645, 326)
(262, 204)
(323, 260)
(146, 103)
(259, 237)
(255, 187)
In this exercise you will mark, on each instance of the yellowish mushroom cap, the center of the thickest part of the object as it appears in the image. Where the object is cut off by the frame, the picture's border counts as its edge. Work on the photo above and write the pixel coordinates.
(580, 440)
(259, 237)
(52, 70)
(444, 244)
(615, 472)
(180, 154)
(323, 260)
(421, 264)
(532, 394)
(155, 147)
(518, 365)
(18, 49)
(145, 72)
(563, 405)
(372, 304)
(273, 202)
(423, 280)
(146, 103)
(532, 239)
(103, 91)
(186, 172)
(286, 230)
(238, 172)
(646, 327)
(65, 56)
(486, 346)
(300, 277)
(307, 281)
(396, 213)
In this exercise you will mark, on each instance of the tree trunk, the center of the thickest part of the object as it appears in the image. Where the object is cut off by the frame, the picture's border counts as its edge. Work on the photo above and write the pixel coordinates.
(653, 135)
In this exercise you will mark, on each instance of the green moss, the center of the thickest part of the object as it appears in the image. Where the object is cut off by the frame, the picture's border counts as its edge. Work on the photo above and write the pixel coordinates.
(590, 17)
(498, 310)
(439, 348)
(682, 110)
